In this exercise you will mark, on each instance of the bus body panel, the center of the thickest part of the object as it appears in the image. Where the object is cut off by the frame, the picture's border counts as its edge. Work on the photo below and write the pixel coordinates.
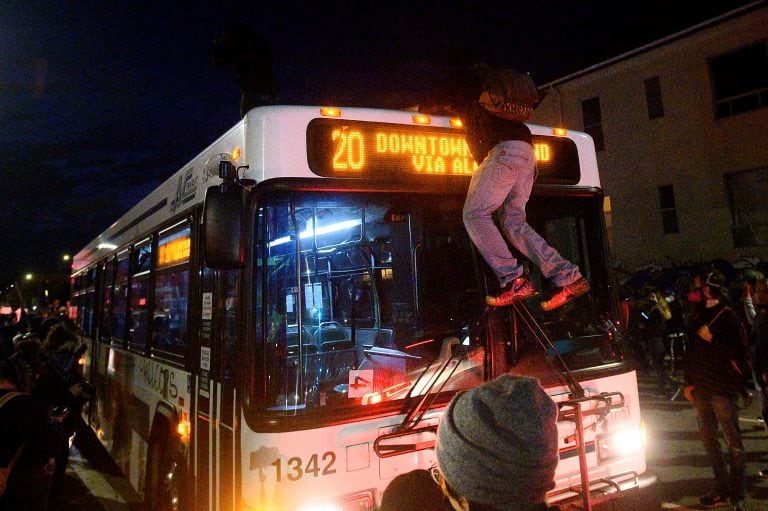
(269, 138)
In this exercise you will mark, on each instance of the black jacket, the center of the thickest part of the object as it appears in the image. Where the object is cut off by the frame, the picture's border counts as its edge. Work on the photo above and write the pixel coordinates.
(24, 421)
(718, 366)
(461, 94)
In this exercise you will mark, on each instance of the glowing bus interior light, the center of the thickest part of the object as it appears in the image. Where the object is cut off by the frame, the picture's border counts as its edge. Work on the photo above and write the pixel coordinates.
(106, 246)
(340, 226)
(371, 399)
(456, 122)
(559, 132)
(330, 111)
(543, 152)
(422, 119)
(237, 153)
(173, 251)
(420, 343)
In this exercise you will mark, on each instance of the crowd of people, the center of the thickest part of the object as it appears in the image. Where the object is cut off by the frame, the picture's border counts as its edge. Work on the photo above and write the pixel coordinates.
(705, 335)
(723, 350)
(41, 394)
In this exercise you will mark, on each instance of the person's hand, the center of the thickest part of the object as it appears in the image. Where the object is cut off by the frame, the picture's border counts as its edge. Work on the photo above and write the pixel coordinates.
(688, 392)
(705, 333)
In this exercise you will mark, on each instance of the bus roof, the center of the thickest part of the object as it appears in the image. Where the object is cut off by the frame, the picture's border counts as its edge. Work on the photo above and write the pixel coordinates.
(270, 142)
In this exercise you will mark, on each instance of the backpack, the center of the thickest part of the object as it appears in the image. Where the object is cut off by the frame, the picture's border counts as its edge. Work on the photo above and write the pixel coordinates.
(6, 471)
(507, 93)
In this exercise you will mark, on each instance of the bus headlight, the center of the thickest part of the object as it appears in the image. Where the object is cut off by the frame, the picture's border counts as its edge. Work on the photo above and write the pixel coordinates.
(620, 443)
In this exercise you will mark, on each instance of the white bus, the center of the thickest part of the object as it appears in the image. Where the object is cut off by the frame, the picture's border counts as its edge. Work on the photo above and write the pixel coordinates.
(280, 325)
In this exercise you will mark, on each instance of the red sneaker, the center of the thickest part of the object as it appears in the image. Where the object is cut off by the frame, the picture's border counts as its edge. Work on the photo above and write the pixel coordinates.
(514, 290)
(566, 293)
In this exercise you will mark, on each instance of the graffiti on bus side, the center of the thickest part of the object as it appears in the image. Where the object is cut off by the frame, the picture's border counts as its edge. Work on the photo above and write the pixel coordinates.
(160, 379)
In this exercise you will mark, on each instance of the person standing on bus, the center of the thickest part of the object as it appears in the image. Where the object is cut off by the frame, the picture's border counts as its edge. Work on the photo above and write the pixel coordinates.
(503, 180)
(497, 447)
(714, 373)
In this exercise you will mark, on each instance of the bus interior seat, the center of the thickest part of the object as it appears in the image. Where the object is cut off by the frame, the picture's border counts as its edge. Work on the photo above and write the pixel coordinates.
(292, 350)
(336, 345)
(323, 335)
(336, 359)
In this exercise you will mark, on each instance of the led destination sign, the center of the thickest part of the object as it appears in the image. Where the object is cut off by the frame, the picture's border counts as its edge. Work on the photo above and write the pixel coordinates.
(343, 148)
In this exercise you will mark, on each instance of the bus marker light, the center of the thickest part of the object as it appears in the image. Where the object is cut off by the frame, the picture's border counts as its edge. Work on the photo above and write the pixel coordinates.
(421, 119)
(237, 152)
(456, 122)
(559, 132)
(330, 111)
(184, 428)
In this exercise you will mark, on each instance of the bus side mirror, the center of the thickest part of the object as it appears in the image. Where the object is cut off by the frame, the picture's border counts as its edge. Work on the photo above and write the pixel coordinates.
(223, 226)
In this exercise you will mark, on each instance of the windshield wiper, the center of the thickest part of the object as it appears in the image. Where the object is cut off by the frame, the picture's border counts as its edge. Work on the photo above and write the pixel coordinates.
(447, 368)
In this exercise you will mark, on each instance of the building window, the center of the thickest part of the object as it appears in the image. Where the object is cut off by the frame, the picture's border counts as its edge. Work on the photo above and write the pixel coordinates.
(653, 98)
(668, 209)
(740, 80)
(749, 209)
(593, 121)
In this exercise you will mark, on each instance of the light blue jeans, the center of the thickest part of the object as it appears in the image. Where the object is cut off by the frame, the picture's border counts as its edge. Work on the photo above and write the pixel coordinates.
(505, 179)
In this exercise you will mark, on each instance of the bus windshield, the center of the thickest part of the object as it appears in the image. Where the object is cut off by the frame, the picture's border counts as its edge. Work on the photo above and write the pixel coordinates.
(364, 297)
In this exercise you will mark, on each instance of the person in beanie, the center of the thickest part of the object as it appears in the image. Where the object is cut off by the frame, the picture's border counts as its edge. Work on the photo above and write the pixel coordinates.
(497, 447)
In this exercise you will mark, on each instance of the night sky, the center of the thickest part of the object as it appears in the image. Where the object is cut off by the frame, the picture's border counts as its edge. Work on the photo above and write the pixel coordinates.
(101, 101)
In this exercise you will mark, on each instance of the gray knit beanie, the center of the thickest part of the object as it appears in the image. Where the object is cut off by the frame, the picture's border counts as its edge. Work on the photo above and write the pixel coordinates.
(497, 443)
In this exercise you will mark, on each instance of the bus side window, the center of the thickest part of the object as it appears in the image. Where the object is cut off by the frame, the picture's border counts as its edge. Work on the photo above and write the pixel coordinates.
(169, 319)
(118, 322)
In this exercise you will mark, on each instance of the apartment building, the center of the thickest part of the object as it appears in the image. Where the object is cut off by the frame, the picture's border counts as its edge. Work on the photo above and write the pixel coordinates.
(681, 130)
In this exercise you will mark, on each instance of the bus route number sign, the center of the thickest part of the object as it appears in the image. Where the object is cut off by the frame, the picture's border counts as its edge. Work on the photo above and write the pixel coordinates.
(347, 148)
(338, 147)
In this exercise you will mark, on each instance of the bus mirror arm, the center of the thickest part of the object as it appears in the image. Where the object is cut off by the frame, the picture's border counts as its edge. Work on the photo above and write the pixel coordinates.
(224, 225)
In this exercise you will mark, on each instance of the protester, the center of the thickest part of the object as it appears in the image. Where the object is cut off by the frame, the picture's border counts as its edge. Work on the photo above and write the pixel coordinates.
(759, 343)
(497, 447)
(715, 373)
(413, 491)
(657, 313)
(503, 181)
(62, 389)
(26, 444)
